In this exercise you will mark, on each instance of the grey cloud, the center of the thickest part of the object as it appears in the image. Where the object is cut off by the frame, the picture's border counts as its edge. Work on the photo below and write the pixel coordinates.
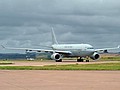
(27, 23)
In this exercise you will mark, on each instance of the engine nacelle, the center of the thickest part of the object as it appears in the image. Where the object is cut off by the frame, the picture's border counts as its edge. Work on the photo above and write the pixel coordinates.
(56, 56)
(95, 56)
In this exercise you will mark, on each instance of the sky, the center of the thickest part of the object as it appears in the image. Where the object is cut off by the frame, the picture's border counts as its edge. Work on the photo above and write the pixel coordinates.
(27, 23)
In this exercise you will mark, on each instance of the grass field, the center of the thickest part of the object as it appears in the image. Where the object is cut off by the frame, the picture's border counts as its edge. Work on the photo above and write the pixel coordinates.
(5, 62)
(103, 66)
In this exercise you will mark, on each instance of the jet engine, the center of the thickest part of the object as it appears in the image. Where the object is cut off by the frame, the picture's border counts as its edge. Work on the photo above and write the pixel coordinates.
(95, 56)
(56, 56)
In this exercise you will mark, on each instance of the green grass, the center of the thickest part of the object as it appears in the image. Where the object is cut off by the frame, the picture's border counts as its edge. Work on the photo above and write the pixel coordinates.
(115, 58)
(5, 62)
(105, 66)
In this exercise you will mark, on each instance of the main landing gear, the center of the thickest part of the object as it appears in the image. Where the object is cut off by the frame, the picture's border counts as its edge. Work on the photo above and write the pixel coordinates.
(78, 60)
(82, 60)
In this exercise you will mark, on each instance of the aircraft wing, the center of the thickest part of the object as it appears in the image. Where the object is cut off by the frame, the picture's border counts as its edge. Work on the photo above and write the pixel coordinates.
(51, 51)
(15, 48)
(40, 50)
(105, 49)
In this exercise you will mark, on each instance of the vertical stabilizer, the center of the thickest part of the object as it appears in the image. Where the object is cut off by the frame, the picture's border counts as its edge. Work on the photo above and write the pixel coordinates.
(54, 40)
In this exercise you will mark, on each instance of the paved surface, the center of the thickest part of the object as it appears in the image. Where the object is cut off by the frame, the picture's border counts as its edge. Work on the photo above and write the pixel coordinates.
(42, 63)
(59, 80)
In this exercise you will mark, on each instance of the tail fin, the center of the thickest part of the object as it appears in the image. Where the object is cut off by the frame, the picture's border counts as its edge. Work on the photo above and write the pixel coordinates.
(54, 40)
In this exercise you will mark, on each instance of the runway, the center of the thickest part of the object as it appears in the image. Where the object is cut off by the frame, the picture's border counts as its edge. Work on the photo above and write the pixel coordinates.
(42, 63)
(59, 80)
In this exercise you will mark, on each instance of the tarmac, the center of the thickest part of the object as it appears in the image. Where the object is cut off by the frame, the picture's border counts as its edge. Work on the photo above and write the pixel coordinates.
(58, 80)
(49, 62)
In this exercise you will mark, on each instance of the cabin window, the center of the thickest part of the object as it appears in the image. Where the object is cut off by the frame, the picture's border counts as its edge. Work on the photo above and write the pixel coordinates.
(68, 46)
(90, 48)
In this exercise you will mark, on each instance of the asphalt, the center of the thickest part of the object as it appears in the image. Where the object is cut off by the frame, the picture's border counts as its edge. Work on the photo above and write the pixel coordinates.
(59, 80)
(42, 63)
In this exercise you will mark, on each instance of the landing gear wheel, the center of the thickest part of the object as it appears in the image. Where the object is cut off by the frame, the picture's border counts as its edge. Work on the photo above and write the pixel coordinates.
(59, 60)
(87, 60)
(79, 60)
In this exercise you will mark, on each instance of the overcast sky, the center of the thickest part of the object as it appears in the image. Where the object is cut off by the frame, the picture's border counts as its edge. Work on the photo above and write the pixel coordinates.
(27, 23)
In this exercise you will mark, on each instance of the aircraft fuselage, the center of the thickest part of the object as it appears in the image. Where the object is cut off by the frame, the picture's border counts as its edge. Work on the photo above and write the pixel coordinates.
(79, 50)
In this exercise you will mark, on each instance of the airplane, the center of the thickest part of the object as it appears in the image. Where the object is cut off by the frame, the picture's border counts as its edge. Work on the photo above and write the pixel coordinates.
(58, 51)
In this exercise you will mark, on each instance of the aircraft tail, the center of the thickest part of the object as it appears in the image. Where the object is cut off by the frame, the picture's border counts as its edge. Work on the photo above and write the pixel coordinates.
(54, 40)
